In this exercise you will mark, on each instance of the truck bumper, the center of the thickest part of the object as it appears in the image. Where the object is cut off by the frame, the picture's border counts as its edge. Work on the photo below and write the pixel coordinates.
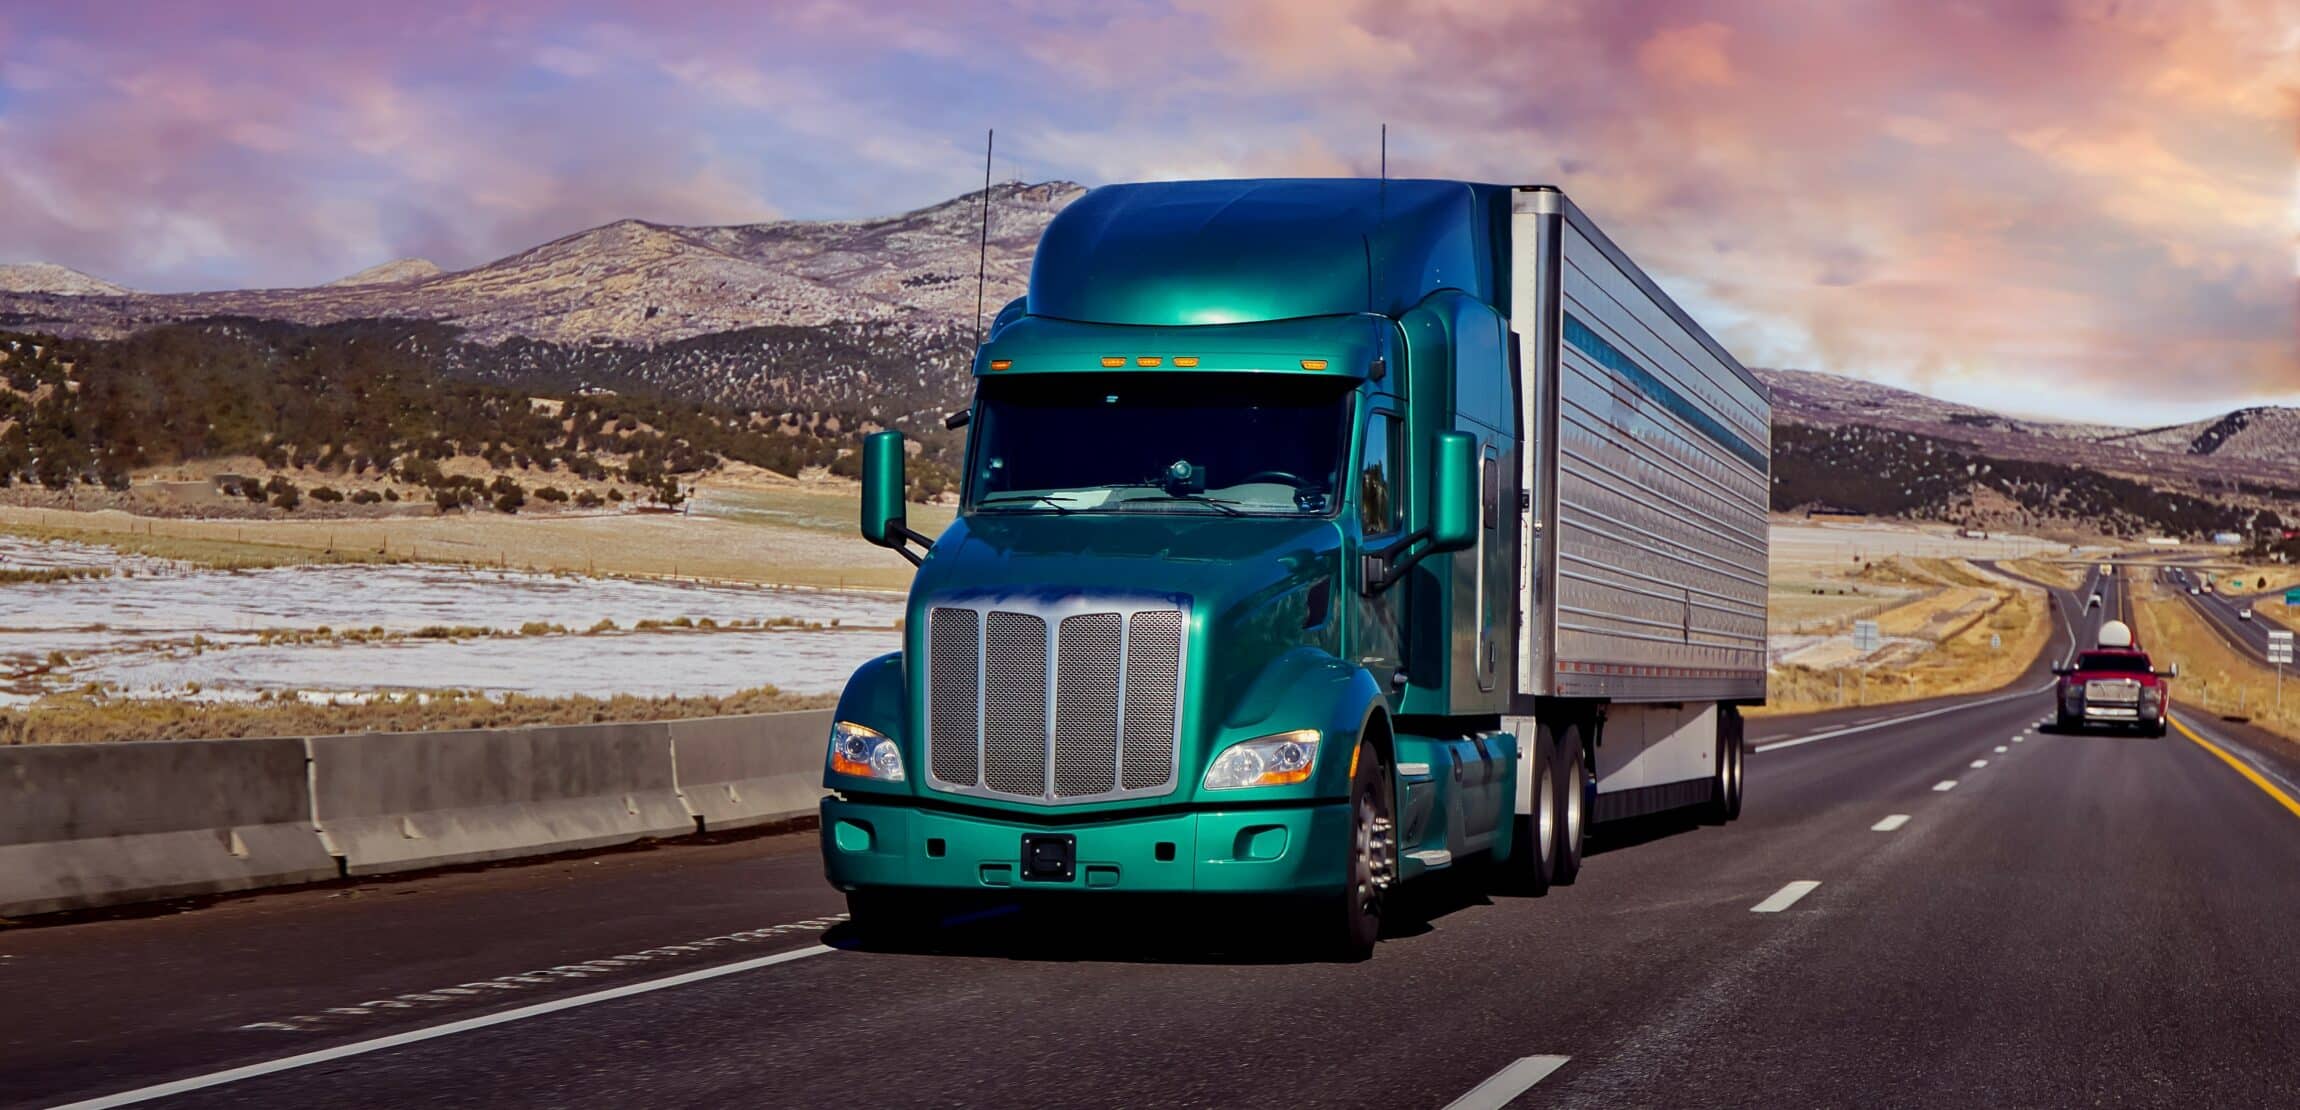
(1296, 850)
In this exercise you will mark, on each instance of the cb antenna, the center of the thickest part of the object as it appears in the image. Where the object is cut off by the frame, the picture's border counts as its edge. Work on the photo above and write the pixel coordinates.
(982, 250)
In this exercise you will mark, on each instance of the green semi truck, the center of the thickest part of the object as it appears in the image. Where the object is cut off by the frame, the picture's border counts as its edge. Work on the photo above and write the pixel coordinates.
(1316, 536)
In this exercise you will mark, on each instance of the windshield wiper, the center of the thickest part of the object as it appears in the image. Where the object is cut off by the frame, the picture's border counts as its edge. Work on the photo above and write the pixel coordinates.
(1051, 500)
(1219, 503)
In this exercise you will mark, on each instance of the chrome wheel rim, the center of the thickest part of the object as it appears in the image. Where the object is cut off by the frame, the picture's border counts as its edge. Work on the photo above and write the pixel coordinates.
(1371, 866)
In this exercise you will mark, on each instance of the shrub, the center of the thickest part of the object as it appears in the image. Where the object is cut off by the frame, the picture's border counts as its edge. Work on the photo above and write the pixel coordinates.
(364, 497)
(586, 499)
(390, 494)
(553, 494)
(328, 494)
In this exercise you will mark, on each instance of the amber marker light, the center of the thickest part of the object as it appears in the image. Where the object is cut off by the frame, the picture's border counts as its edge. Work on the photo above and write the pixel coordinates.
(1113, 361)
(1313, 364)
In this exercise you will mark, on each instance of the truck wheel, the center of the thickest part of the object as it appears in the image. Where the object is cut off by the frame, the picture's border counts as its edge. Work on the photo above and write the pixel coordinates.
(1534, 852)
(1572, 806)
(2062, 722)
(1720, 807)
(884, 918)
(1736, 744)
(1352, 921)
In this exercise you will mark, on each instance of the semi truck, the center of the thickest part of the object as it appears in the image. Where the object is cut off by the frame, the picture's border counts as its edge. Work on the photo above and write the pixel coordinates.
(1315, 536)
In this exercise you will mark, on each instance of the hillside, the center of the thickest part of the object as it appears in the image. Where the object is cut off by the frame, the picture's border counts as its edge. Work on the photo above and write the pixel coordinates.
(47, 278)
(634, 282)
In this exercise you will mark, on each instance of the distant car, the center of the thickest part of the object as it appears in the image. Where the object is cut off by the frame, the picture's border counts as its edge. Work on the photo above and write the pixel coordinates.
(2194, 590)
(2094, 603)
(2244, 614)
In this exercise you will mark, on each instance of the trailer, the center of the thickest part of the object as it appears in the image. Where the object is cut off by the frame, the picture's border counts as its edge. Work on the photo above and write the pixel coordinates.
(1316, 536)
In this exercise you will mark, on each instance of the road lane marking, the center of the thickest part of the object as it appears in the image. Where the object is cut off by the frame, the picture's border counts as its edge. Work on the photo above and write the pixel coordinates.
(2256, 778)
(1979, 763)
(415, 1036)
(2002, 748)
(1508, 1083)
(1851, 729)
(1890, 823)
(1945, 784)
(1785, 897)
(2018, 739)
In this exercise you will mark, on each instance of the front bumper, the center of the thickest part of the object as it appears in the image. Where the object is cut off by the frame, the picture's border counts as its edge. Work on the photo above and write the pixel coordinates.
(1292, 850)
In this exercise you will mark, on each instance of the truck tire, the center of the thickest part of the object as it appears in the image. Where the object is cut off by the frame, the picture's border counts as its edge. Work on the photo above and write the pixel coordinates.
(1572, 805)
(1720, 807)
(1352, 919)
(1533, 853)
(1736, 743)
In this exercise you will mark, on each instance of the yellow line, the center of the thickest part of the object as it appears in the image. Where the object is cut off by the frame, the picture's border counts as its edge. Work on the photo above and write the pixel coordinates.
(2241, 768)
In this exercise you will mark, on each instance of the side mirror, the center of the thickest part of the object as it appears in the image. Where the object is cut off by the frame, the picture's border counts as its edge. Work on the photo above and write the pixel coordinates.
(2064, 672)
(2172, 671)
(884, 519)
(1453, 493)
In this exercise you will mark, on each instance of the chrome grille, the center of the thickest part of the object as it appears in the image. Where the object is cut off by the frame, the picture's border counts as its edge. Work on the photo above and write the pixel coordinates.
(953, 638)
(1153, 673)
(1014, 703)
(2112, 690)
(1086, 713)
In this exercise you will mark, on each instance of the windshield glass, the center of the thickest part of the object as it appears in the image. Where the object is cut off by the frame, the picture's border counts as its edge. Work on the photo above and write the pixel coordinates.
(2112, 662)
(1196, 443)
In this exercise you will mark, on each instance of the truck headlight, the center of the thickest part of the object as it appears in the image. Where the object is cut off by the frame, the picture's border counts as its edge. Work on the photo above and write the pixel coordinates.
(1275, 760)
(864, 753)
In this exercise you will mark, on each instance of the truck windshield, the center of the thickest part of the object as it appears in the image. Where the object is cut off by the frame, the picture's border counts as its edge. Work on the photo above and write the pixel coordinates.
(1143, 443)
(2112, 662)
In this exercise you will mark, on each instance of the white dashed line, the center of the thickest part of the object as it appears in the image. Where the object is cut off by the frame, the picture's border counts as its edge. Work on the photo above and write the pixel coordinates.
(1979, 763)
(2002, 749)
(361, 1048)
(1508, 1083)
(1945, 784)
(1866, 726)
(1785, 897)
(2018, 739)
(1890, 823)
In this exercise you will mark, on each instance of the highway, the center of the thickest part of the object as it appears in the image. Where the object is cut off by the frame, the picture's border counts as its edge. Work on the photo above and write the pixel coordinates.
(1936, 904)
(2220, 611)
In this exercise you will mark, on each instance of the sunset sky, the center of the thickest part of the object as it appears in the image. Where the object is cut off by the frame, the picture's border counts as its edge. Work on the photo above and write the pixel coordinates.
(2088, 208)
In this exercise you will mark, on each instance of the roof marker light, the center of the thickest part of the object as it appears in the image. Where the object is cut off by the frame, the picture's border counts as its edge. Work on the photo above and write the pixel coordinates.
(1001, 363)
(1113, 361)
(1186, 361)
(1148, 360)
(1313, 364)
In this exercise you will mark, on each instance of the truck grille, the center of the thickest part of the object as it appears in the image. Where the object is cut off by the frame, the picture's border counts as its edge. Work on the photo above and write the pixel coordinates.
(2115, 691)
(1071, 702)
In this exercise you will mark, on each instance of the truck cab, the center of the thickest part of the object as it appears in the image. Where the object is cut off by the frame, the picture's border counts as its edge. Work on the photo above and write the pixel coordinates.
(2114, 685)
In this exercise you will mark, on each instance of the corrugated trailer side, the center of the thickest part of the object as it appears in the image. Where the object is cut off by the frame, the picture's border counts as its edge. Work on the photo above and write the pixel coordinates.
(1650, 475)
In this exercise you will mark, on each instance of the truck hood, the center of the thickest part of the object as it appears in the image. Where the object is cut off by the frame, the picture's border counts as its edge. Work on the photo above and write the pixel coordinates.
(1254, 590)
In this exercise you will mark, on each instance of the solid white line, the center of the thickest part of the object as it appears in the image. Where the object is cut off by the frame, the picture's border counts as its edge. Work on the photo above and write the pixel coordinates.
(1979, 763)
(1508, 1083)
(1785, 897)
(1945, 784)
(1890, 823)
(361, 1048)
(1851, 729)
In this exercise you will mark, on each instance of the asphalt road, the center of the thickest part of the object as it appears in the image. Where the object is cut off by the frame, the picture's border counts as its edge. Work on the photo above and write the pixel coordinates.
(2002, 916)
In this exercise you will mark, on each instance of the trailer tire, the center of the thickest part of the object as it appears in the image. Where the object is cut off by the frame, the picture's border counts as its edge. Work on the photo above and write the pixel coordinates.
(1736, 743)
(1572, 805)
(1351, 919)
(1720, 807)
(1533, 854)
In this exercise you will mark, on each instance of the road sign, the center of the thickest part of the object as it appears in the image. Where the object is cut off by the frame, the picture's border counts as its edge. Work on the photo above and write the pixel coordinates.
(2292, 596)
(2279, 647)
(1996, 642)
(1866, 637)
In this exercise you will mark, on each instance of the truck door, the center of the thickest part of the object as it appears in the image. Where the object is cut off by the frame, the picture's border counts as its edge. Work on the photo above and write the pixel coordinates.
(1377, 633)
(1492, 566)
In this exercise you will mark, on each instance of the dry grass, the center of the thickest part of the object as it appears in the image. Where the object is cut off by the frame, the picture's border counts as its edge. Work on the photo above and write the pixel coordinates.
(75, 719)
(2067, 576)
(1962, 662)
(2214, 677)
(642, 544)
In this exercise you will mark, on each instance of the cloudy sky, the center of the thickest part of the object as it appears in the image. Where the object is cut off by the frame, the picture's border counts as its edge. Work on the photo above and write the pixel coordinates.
(2088, 207)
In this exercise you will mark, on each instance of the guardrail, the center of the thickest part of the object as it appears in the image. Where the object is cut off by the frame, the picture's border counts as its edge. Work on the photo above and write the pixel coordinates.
(89, 825)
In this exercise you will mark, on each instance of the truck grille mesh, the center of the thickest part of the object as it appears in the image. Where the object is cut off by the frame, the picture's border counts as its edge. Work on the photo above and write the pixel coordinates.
(2118, 691)
(1093, 714)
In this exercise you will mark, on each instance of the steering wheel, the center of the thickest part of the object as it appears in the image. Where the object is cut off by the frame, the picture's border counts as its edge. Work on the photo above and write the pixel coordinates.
(1293, 480)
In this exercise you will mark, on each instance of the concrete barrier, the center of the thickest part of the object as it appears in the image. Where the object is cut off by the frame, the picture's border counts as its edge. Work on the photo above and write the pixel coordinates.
(736, 771)
(85, 825)
(400, 801)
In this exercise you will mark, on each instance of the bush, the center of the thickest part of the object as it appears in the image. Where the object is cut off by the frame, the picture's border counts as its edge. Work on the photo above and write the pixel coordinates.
(284, 494)
(364, 497)
(390, 494)
(553, 494)
(586, 499)
(326, 493)
(614, 494)
(445, 497)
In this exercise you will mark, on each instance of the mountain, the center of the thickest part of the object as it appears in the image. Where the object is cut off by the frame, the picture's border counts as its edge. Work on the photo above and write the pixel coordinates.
(640, 283)
(398, 271)
(51, 279)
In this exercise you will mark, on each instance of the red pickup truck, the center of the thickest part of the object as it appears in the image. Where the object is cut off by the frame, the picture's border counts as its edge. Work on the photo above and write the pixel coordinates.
(2114, 685)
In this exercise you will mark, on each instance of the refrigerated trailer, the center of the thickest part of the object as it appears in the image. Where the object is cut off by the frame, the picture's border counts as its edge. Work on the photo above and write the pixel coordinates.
(1316, 535)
